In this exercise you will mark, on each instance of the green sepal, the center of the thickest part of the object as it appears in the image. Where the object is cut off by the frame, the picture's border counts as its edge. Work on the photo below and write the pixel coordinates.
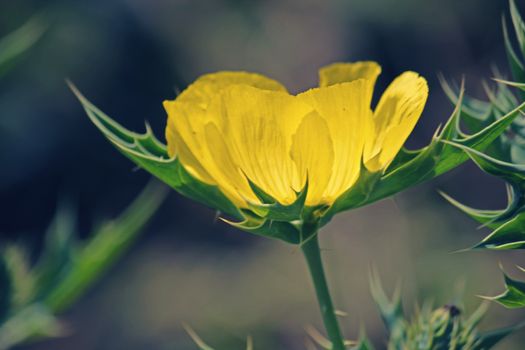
(149, 153)
(358, 194)
(514, 295)
(271, 209)
(268, 228)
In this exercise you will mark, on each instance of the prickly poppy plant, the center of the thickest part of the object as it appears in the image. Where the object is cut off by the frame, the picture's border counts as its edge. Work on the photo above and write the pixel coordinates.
(282, 165)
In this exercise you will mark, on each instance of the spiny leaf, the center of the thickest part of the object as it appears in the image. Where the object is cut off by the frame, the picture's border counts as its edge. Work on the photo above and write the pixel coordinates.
(149, 153)
(485, 217)
(516, 66)
(489, 339)
(391, 309)
(519, 26)
(514, 295)
(511, 172)
(509, 235)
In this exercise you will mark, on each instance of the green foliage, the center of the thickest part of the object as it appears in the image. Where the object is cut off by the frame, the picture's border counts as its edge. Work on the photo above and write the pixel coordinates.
(14, 45)
(444, 328)
(505, 158)
(32, 294)
(514, 295)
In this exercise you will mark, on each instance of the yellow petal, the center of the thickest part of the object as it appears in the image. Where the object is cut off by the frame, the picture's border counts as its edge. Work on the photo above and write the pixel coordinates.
(227, 174)
(313, 153)
(202, 91)
(337, 73)
(394, 119)
(257, 127)
(185, 137)
(346, 110)
(187, 116)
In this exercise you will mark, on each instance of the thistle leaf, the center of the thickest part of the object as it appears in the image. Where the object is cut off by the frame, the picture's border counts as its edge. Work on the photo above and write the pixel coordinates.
(149, 153)
(489, 339)
(519, 26)
(516, 66)
(509, 235)
(514, 295)
(485, 217)
(391, 310)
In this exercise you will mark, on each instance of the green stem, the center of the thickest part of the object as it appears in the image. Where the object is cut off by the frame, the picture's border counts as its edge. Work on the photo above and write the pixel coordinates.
(312, 254)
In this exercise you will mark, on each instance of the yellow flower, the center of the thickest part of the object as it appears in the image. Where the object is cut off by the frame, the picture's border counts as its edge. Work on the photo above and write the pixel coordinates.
(229, 128)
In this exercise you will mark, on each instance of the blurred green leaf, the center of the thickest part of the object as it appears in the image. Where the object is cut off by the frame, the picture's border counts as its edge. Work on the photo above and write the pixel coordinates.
(391, 310)
(489, 339)
(6, 292)
(65, 269)
(58, 251)
(93, 258)
(30, 323)
(22, 279)
(14, 45)
(514, 295)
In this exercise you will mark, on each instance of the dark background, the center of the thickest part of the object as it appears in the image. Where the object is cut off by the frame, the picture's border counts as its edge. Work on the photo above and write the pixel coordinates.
(127, 56)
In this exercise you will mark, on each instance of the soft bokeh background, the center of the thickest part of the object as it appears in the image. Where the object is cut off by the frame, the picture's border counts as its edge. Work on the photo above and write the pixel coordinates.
(129, 55)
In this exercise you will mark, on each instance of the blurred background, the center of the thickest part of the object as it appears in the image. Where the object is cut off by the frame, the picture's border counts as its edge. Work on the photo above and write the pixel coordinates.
(127, 56)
